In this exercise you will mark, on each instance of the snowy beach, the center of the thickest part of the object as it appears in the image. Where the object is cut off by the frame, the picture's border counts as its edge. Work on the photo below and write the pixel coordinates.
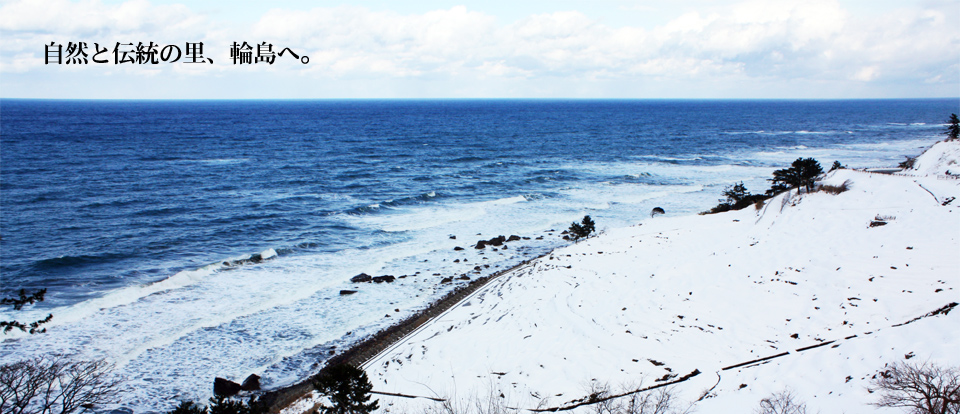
(832, 286)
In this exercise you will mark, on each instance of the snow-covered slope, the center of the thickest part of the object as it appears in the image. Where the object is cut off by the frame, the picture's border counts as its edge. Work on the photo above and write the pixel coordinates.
(943, 158)
(675, 295)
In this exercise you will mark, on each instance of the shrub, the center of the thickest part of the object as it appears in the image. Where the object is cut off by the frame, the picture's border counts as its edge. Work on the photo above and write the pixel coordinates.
(348, 389)
(908, 163)
(781, 403)
(920, 388)
(834, 189)
(836, 166)
(737, 198)
(759, 204)
(220, 404)
(582, 229)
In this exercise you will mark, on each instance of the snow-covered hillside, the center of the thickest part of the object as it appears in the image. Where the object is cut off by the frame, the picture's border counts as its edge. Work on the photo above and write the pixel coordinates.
(943, 158)
(671, 296)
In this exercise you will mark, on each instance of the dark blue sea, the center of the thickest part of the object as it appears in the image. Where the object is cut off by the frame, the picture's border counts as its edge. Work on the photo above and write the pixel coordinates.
(140, 217)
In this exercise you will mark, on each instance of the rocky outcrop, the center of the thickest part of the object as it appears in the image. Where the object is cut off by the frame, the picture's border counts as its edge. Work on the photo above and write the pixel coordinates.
(252, 383)
(225, 387)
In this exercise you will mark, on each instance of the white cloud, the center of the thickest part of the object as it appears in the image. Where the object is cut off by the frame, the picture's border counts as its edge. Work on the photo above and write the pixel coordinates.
(867, 74)
(788, 41)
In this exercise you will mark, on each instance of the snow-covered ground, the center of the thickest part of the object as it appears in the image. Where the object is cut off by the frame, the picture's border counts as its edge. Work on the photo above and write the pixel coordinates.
(669, 296)
(942, 159)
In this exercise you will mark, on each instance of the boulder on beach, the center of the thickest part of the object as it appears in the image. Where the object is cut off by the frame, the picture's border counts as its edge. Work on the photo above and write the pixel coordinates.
(225, 387)
(386, 278)
(513, 238)
(363, 277)
(496, 241)
(656, 211)
(347, 292)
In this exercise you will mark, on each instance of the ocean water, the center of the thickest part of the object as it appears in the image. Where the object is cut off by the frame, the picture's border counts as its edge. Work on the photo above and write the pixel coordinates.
(126, 211)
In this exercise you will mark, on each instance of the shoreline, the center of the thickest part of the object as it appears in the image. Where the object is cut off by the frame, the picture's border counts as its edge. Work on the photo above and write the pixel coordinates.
(371, 347)
(380, 342)
(836, 274)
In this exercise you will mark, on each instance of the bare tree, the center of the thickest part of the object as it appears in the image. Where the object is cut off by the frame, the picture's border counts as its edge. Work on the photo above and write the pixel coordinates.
(922, 388)
(781, 403)
(55, 385)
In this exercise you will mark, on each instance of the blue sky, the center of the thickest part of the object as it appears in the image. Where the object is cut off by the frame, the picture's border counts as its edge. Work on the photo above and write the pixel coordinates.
(696, 49)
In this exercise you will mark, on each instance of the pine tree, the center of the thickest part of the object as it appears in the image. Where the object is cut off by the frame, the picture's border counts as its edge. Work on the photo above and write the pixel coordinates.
(801, 174)
(953, 129)
(348, 389)
(582, 229)
(18, 304)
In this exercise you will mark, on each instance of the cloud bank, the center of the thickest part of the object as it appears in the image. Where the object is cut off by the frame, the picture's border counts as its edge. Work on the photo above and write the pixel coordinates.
(803, 49)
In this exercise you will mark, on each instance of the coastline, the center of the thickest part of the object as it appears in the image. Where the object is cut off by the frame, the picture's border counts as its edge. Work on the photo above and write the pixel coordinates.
(369, 348)
(777, 255)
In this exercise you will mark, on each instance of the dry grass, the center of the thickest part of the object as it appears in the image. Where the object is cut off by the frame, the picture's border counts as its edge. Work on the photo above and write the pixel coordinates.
(834, 189)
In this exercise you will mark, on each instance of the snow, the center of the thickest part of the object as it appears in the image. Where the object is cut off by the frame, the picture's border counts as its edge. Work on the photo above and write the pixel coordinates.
(941, 159)
(672, 295)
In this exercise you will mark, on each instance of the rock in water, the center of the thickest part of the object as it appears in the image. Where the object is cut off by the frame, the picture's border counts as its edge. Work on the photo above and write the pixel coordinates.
(225, 387)
(656, 211)
(252, 383)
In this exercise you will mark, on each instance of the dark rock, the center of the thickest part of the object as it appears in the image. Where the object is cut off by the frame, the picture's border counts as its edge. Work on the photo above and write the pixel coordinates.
(347, 292)
(496, 241)
(453, 237)
(381, 279)
(656, 211)
(456, 261)
(252, 383)
(458, 248)
(446, 280)
(513, 238)
(225, 387)
(464, 277)
(363, 277)
(256, 258)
